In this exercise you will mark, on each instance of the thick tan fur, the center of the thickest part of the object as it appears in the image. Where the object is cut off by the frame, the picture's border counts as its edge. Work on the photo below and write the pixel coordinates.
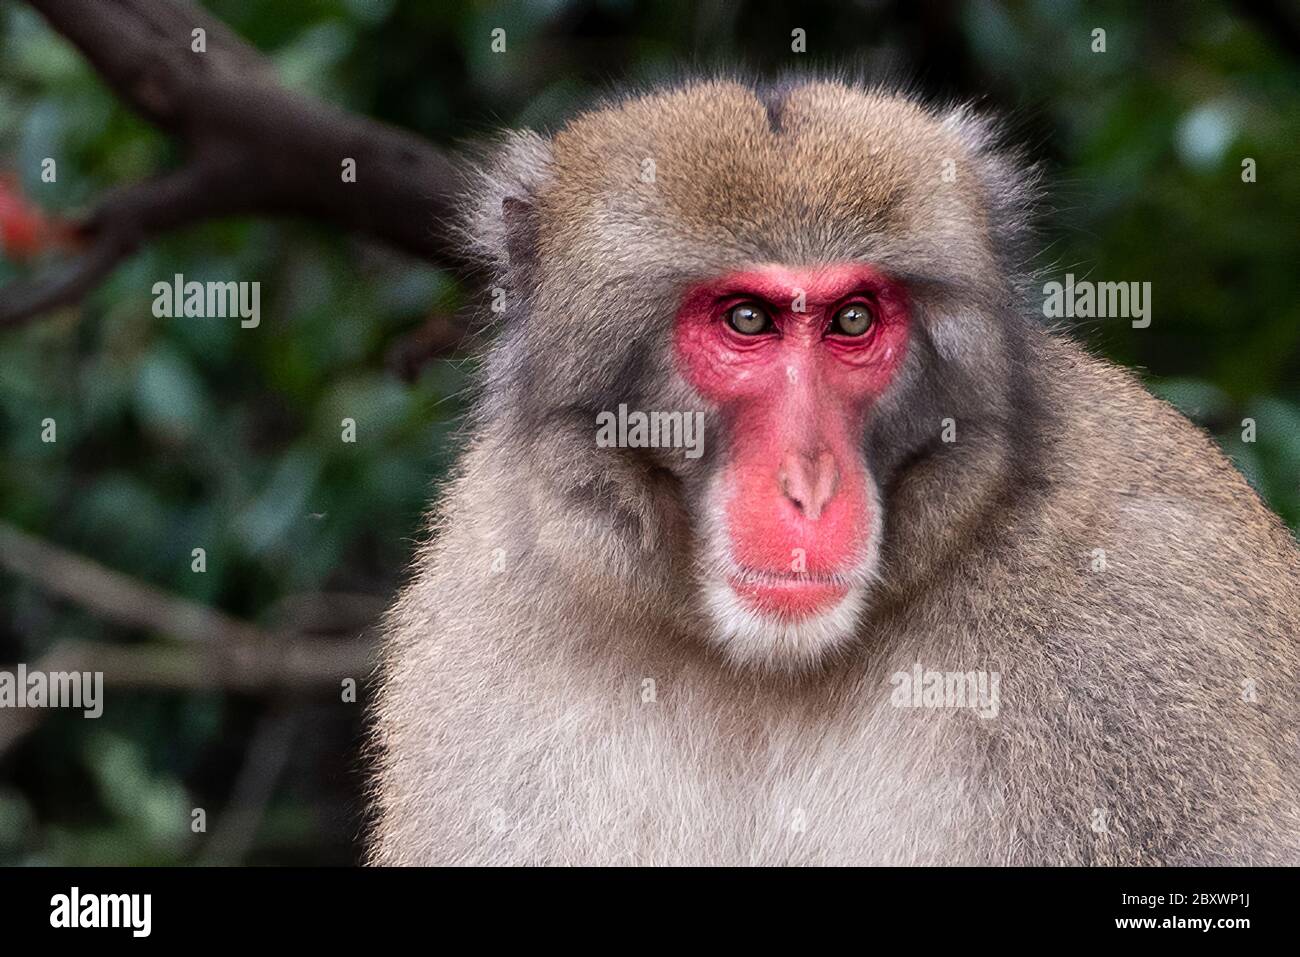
(550, 694)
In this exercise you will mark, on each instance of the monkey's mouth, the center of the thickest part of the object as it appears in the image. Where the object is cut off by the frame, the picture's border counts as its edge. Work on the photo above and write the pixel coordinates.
(788, 595)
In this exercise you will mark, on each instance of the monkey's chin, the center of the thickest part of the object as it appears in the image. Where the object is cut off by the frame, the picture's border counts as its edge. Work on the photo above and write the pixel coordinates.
(753, 633)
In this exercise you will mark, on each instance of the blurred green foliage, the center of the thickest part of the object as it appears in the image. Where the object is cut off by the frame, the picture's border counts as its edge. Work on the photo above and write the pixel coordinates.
(174, 434)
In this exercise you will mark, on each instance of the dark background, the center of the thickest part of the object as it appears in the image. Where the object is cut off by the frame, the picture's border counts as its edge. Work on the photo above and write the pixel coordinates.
(174, 434)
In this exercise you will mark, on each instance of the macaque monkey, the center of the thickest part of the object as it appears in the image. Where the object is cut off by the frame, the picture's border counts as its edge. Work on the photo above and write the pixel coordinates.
(937, 587)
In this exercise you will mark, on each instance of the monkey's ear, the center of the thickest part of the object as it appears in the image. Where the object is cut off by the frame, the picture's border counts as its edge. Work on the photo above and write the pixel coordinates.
(502, 224)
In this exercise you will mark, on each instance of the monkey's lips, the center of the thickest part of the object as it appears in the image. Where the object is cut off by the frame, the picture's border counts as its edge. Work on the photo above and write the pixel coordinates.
(788, 595)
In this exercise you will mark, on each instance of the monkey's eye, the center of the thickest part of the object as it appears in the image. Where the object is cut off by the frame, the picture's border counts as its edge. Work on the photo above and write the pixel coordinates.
(853, 320)
(749, 319)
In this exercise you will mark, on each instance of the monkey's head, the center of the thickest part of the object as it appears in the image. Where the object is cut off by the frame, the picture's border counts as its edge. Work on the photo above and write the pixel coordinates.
(817, 274)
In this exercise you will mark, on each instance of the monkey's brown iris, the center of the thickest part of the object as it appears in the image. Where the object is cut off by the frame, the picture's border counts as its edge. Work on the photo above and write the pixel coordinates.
(853, 320)
(749, 319)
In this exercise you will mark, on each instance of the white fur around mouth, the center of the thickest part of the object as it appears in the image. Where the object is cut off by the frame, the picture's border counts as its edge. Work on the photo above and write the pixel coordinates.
(749, 636)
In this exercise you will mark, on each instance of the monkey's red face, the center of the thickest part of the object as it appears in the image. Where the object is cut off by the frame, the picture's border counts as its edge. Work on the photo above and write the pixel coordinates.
(792, 359)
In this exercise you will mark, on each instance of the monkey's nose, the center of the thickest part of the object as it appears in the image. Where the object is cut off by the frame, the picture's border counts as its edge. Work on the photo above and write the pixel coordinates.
(809, 481)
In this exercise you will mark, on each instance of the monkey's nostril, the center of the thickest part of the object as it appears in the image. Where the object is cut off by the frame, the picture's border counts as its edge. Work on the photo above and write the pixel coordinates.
(809, 481)
(783, 479)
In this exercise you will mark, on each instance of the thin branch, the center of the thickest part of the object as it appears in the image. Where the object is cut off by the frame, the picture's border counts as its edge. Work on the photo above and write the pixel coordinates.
(64, 285)
(122, 221)
(114, 596)
(269, 667)
(264, 763)
(252, 148)
(266, 667)
(210, 649)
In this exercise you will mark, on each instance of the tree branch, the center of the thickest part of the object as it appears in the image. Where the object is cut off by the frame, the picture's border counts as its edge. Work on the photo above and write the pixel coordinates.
(124, 219)
(238, 667)
(264, 763)
(210, 650)
(114, 596)
(272, 665)
(252, 148)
